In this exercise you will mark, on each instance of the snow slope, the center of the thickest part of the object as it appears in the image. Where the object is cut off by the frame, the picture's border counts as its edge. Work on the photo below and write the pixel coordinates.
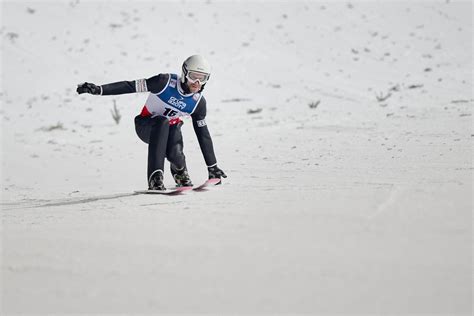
(345, 129)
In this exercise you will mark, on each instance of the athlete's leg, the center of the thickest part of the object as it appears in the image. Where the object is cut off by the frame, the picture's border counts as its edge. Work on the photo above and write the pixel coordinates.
(175, 155)
(154, 132)
(174, 149)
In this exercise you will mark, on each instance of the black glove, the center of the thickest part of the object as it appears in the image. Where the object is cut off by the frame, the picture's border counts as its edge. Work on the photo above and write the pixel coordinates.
(216, 173)
(88, 88)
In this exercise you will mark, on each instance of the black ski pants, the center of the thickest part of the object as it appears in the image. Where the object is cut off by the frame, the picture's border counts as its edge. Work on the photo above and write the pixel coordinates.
(164, 141)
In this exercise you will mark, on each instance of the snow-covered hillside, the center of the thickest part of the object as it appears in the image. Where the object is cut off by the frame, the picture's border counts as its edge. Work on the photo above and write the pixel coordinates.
(345, 129)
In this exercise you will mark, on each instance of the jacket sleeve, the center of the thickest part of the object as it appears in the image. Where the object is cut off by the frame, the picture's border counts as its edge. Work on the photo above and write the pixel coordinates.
(154, 84)
(202, 133)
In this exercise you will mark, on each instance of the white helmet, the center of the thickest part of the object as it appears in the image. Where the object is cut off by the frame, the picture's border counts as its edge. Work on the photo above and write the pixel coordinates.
(196, 64)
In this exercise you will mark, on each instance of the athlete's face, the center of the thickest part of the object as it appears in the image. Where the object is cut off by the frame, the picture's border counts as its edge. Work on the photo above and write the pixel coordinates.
(195, 80)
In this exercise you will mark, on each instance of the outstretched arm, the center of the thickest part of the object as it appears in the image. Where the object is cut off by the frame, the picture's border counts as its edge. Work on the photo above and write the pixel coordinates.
(154, 84)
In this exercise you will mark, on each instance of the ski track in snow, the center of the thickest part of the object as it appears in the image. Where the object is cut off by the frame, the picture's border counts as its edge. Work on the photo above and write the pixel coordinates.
(64, 202)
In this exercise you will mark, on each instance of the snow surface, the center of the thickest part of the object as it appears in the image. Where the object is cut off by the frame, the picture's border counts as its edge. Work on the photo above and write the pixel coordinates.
(345, 129)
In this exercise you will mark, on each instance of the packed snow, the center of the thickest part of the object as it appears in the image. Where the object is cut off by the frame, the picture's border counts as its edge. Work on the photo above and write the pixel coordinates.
(345, 129)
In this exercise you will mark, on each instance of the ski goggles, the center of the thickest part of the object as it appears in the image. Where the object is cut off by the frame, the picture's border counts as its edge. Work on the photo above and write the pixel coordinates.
(194, 76)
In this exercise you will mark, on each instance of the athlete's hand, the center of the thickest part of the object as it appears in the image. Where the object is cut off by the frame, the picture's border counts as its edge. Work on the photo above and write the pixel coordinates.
(216, 173)
(88, 88)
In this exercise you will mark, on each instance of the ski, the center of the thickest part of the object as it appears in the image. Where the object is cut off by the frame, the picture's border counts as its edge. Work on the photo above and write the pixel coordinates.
(207, 183)
(172, 191)
(179, 190)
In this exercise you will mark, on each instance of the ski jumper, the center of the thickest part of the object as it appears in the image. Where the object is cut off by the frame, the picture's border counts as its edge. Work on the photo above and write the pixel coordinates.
(159, 123)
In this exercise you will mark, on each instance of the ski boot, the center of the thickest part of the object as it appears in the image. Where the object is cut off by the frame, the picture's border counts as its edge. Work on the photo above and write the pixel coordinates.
(181, 177)
(156, 181)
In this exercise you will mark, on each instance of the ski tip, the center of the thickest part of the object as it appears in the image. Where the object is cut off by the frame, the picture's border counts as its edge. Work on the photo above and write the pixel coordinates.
(213, 181)
(207, 183)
